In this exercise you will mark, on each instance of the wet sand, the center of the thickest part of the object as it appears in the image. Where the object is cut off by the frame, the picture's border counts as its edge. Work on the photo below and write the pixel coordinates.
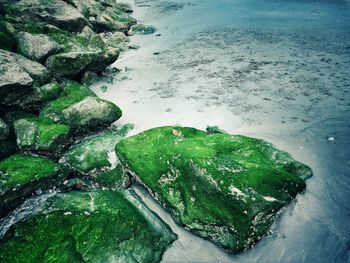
(276, 70)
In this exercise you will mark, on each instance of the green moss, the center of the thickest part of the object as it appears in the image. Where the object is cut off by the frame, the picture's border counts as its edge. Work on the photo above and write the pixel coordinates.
(21, 175)
(113, 179)
(92, 153)
(49, 91)
(41, 134)
(73, 92)
(99, 226)
(224, 188)
(142, 29)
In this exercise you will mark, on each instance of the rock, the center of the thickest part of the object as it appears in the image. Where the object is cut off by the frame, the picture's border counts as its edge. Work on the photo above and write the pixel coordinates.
(95, 156)
(78, 107)
(4, 130)
(7, 40)
(34, 98)
(73, 64)
(37, 71)
(13, 76)
(55, 12)
(41, 135)
(72, 93)
(21, 175)
(115, 40)
(225, 188)
(141, 30)
(91, 111)
(36, 47)
(106, 15)
(87, 32)
(99, 226)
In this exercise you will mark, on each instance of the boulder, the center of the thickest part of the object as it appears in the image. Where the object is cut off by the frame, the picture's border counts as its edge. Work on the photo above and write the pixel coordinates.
(41, 135)
(13, 76)
(21, 175)
(141, 30)
(55, 12)
(95, 156)
(36, 47)
(73, 64)
(91, 112)
(115, 40)
(225, 188)
(98, 226)
(72, 93)
(32, 99)
(7, 40)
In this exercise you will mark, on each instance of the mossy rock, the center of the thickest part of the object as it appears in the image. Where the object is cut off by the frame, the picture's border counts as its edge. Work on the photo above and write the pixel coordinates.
(140, 29)
(95, 156)
(225, 188)
(41, 135)
(100, 226)
(72, 92)
(4, 130)
(7, 40)
(21, 175)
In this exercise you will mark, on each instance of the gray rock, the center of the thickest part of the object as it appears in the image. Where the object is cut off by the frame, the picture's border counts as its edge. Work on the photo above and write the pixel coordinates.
(55, 12)
(36, 47)
(87, 32)
(91, 111)
(72, 64)
(13, 76)
(115, 40)
(38, 72)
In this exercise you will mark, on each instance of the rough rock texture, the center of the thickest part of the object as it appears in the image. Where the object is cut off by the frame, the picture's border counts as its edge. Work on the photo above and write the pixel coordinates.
(41, 134)
(13, 76)
(73, 64)
(91, 111)
(55, 12)
(106, 15)
(36, 47)
(21, 175)
(99, 226)
(96, 157)
(17, 72)
(115, 40)
(222, 187)
(34, 98)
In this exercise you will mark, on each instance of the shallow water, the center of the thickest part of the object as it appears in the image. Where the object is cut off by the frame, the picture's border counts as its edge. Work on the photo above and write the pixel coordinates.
(272, 69)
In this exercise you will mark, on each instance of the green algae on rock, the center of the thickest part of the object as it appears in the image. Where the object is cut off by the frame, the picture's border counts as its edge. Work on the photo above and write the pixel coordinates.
(95, 156)
(225, 188)
(142, 30)
(100, 226)
(21, 175)
(41, 134)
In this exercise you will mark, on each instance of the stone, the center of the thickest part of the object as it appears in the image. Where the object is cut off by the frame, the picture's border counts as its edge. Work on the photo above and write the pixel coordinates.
(36, 47)
(91, 111)
(98, 226)
(224, 188)
(13, 76)
(55, 12)
(38, 72)
(141, 30)
(72, 93)
(95, 156)
(41, 135)
(115, 40)
(21, 175)
(74, 64)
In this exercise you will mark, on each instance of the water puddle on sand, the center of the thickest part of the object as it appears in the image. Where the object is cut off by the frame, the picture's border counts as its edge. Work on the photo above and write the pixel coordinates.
(276, 70)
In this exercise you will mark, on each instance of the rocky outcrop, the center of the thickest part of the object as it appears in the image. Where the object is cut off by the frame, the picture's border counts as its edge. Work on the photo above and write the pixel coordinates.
(95, 156)
(21, 175)
(41, 135)
(36, 47)
(4, 130)
(99, 226)
(222, 187)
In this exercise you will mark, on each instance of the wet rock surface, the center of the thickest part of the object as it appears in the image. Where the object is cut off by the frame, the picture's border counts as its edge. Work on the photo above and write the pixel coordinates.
(226, 188)
(100, 226)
